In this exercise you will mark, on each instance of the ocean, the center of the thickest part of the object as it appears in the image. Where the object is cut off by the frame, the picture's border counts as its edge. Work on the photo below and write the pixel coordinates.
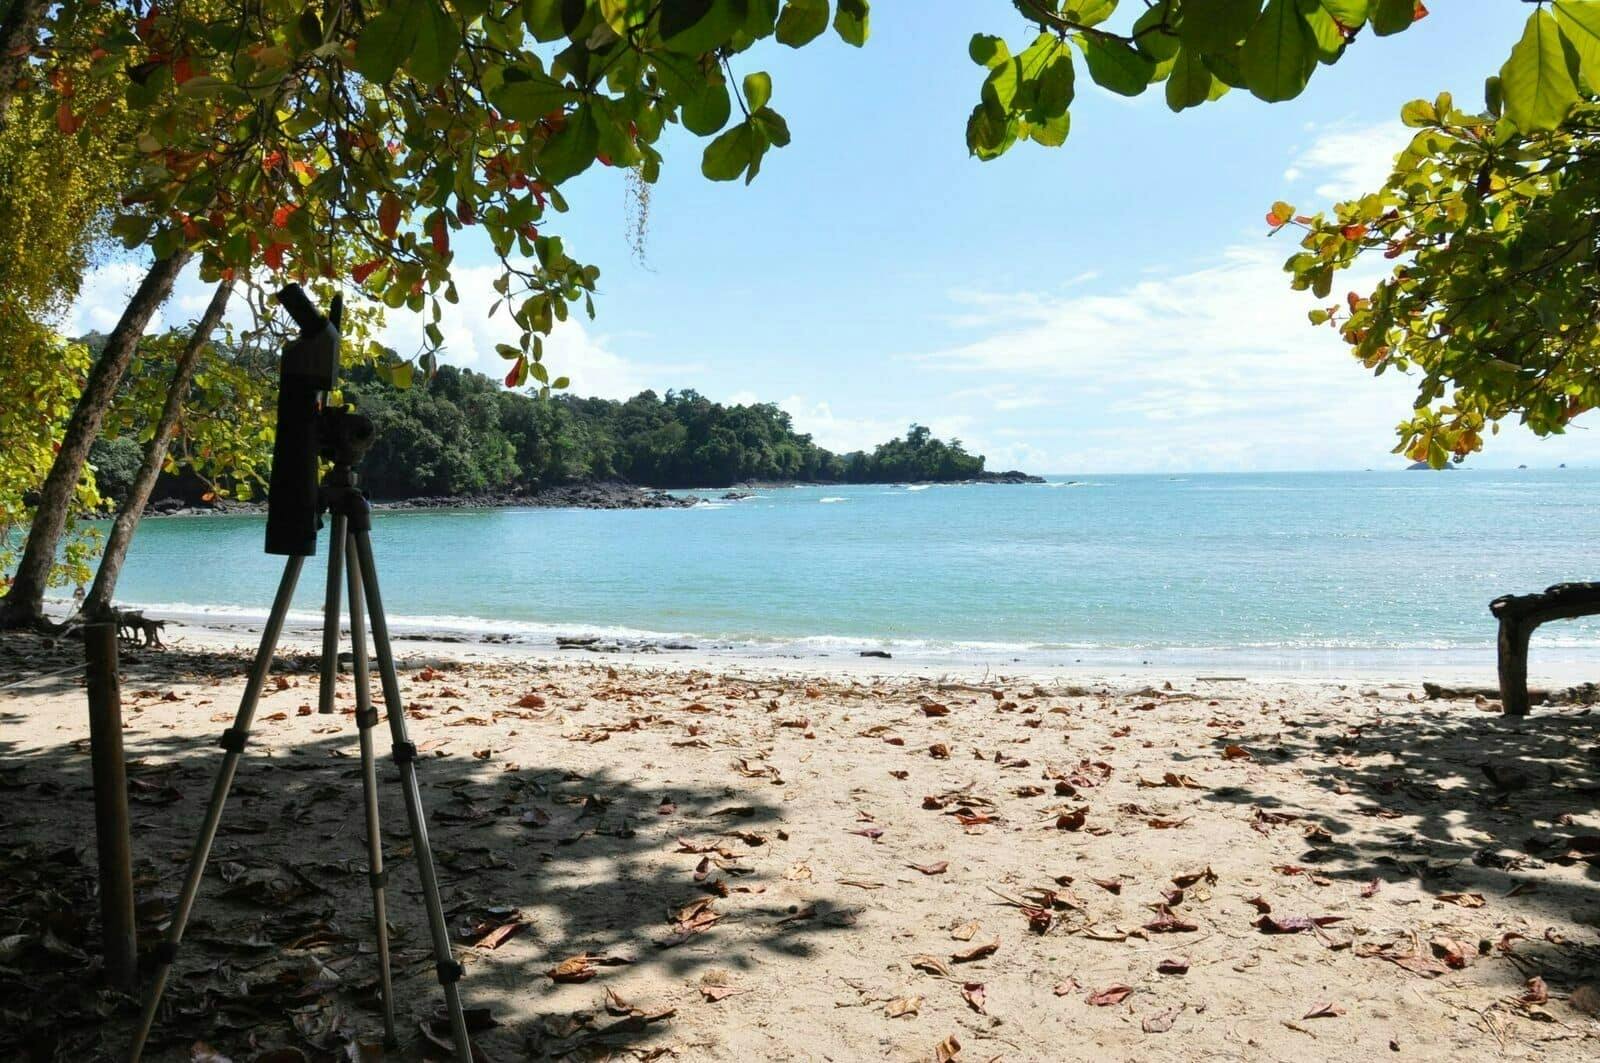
(1326, 572)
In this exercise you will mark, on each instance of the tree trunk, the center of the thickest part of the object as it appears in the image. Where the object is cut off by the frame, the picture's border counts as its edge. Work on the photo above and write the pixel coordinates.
(24, 603)
(19, 32)
(97, 606)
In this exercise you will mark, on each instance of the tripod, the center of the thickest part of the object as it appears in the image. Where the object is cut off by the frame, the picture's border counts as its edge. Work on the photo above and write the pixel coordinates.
(338, 495)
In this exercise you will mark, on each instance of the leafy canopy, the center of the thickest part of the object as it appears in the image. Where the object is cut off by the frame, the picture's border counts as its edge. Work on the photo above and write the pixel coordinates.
(1197, 49)
(1491, 221)
(356, 140)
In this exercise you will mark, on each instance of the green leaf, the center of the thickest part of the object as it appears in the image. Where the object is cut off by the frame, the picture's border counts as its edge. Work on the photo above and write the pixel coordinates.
(1325, 34)
(437, 44)
(1350, 13)
(1419, 113)
(1052, 132)
(730, 154)
(1580, 25)
(1053, 88)
(1088, 12)
(772, 126)
(699, 26)
(988, 50)
(1538, 85)
(1158, 44)
(1277, 57)
(386, 40)
(528, 94)
(1392, 16)
(707, 112)
(570, 151)
(1116, 65)
(550, 20)
(802, 21)
(850, 21)
(989, 136)
(757, 90)
(1000, 88)
(1189, 84)
(1216, 25)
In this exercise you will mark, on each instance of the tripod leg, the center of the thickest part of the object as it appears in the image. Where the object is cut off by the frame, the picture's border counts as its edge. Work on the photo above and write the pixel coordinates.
(366, 720)
(329, 677)
(233, 740)
(405, 756)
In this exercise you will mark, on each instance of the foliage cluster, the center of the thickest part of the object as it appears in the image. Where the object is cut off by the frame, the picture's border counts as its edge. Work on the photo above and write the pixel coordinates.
(1491, 221)
(462, 434)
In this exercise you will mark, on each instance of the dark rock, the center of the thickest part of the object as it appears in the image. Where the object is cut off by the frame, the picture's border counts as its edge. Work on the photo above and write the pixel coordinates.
(1010, 476)
(884, 654)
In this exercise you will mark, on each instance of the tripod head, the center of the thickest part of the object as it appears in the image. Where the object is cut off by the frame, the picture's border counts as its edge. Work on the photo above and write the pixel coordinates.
(307, 429)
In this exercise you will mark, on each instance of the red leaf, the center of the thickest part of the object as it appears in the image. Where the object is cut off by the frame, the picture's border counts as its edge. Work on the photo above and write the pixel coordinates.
(1294, 924)
(514, 377)
(1111, 994)
(366, 269)
(388, 214)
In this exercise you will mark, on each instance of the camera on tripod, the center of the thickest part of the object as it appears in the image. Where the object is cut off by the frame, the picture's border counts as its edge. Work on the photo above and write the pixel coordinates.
(308, 429)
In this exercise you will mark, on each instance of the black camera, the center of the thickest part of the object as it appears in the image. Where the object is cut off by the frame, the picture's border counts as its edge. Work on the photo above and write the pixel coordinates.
(305, 429)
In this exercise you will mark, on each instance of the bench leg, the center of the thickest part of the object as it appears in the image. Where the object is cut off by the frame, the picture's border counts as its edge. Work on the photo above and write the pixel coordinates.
(1514, 667)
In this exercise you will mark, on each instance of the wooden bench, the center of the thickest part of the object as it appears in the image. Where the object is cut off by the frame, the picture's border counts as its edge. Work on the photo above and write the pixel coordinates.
(1519, 614)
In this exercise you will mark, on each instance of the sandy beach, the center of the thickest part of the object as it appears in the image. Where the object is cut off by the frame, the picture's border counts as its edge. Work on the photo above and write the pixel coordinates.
(645, 860)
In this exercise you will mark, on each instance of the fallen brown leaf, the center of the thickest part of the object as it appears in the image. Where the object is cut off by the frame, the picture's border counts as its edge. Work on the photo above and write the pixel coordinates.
(976, 952)
(1111, 994)
(902, 1006)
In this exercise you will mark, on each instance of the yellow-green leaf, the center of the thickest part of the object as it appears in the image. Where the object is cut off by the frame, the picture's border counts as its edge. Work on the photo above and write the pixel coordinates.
(1538, 85)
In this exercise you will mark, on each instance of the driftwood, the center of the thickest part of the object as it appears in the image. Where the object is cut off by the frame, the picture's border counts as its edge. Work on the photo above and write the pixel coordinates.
(1519, 614)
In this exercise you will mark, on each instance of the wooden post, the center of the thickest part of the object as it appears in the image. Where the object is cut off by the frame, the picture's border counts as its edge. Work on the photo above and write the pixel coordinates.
(113, 838)
(1514, 665)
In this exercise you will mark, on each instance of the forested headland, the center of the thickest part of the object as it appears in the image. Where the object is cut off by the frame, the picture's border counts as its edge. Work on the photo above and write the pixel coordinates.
(461, 434)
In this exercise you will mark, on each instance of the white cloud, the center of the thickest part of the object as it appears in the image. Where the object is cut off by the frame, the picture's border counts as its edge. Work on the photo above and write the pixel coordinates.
(1349, 160)
(842, 434)
(1216, 368)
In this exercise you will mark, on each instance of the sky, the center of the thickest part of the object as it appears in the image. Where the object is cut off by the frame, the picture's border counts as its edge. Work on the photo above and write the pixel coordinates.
(1113, 305)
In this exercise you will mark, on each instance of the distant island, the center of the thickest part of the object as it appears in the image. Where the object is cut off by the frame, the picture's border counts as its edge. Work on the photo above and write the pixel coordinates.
(462, 439)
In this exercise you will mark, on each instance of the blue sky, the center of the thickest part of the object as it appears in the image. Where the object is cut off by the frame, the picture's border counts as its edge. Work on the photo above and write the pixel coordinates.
(1112, 305)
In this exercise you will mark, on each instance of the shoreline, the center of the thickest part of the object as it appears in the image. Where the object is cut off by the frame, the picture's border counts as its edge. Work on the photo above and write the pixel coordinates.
(599, 494)
(468, 640)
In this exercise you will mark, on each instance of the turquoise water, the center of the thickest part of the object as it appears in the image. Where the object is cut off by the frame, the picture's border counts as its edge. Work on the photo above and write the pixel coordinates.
(1290, 566)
